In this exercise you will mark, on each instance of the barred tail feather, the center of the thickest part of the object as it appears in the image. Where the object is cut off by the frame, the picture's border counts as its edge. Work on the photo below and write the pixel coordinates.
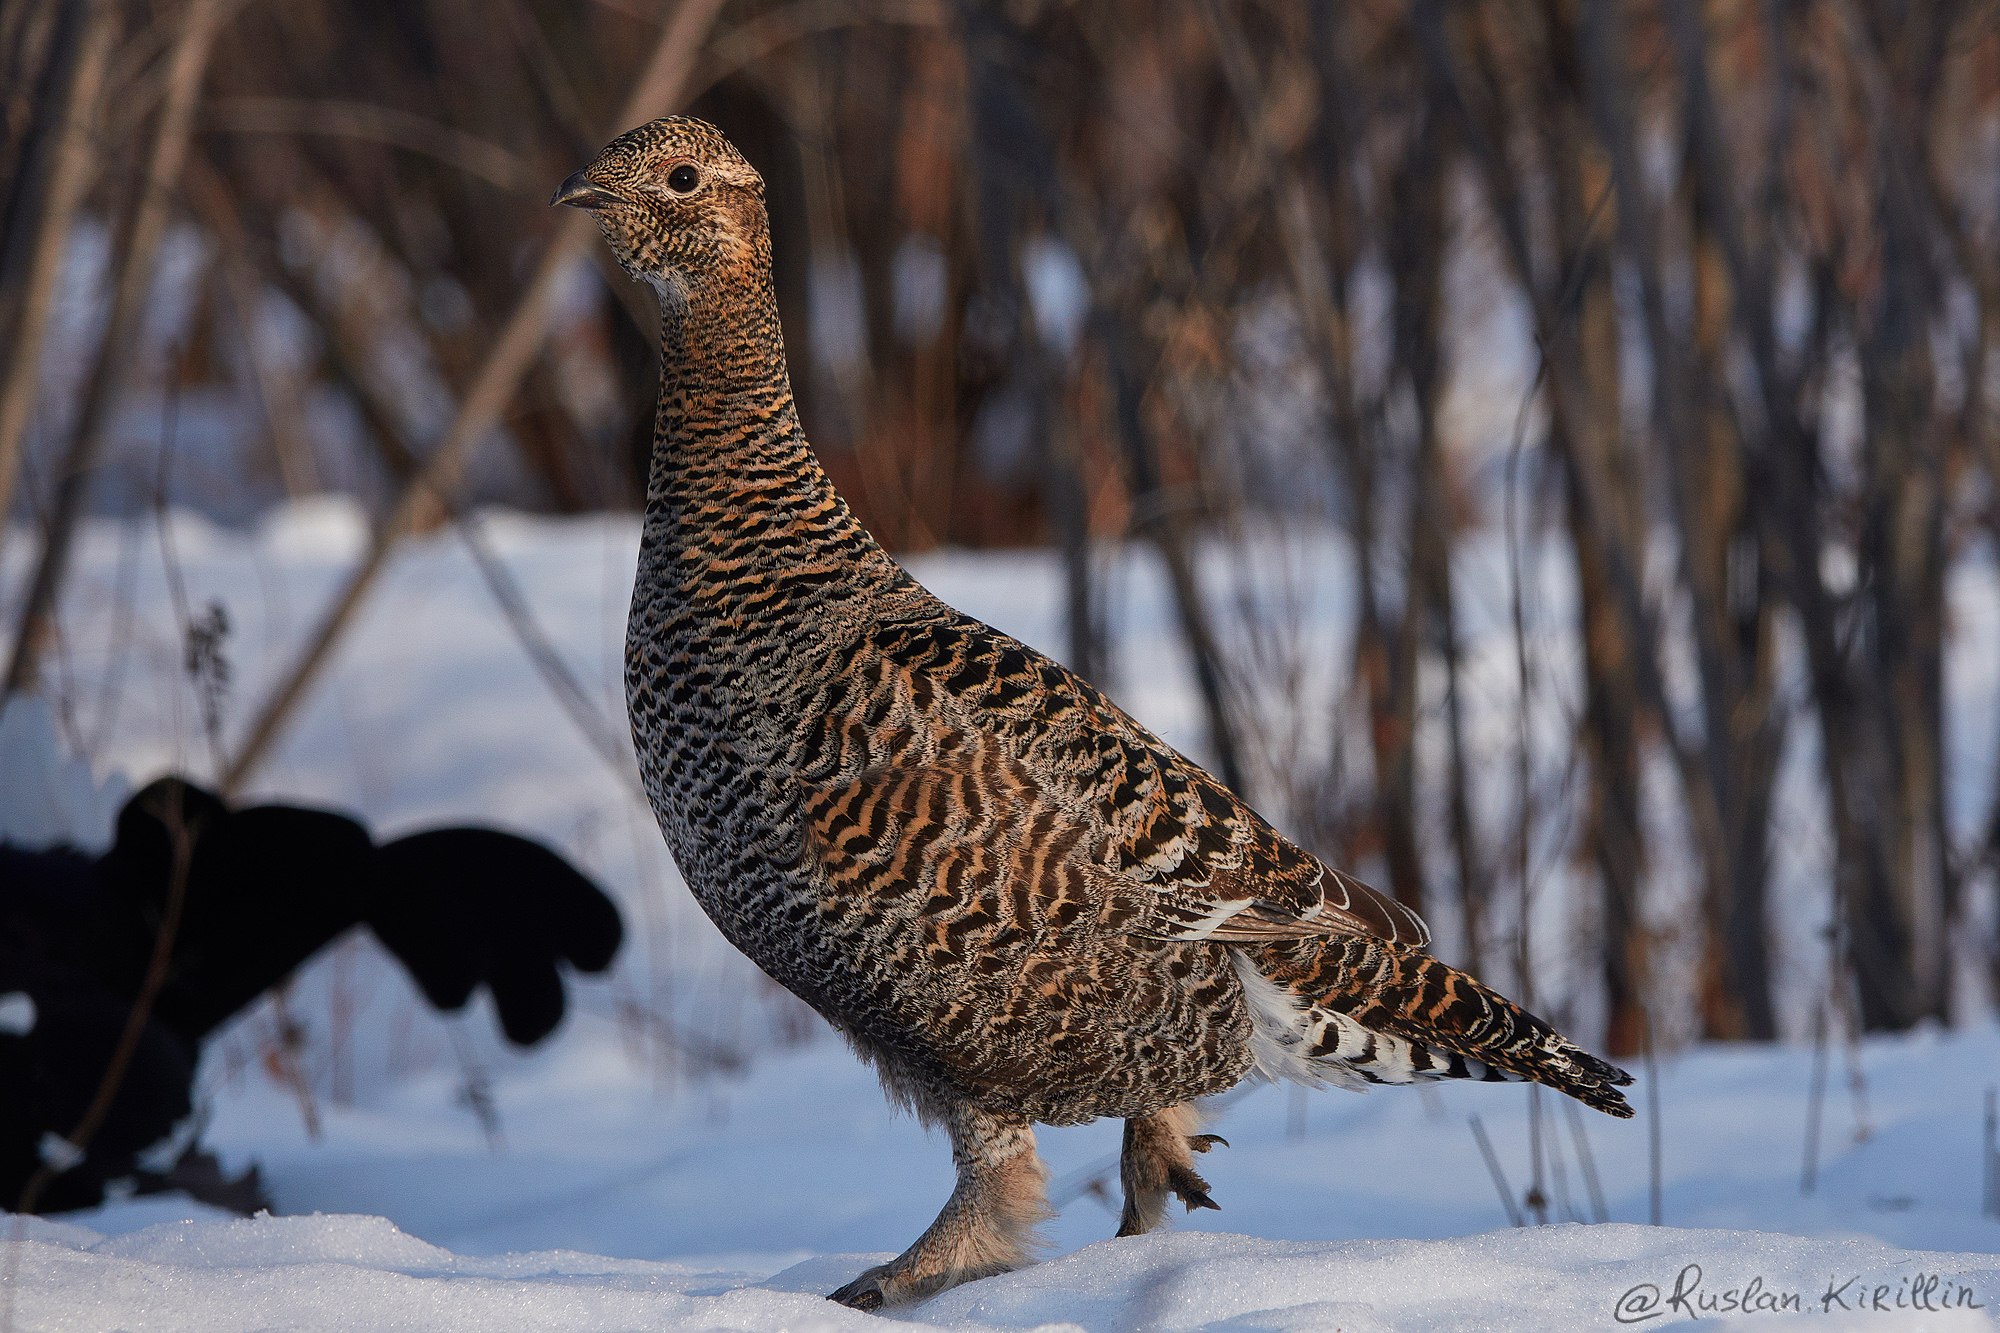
(1352, 1011)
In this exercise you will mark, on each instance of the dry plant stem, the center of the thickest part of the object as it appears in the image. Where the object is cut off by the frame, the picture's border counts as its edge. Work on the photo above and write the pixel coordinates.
(278, 391)
(1655, 1133)
(111, 687)
(1990, 1156)
(85, 40)
(1166, 530)
(1560, 1204)
(1815, 1098)
(284, 1052)
(611, 744)
(1472, 875)
(476, 1089)
(1535, 1202)
(1524, 760)
(347, 363)
(1586, 1162)
(186, 68)
(476, 157)
(25, 32)
(1500, 1185)
(1857, 1075)
(759, 36)
(514, 352)
(170, 565)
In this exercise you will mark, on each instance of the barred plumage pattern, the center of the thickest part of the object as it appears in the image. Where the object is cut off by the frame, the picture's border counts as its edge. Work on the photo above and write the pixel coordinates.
(1017, 901)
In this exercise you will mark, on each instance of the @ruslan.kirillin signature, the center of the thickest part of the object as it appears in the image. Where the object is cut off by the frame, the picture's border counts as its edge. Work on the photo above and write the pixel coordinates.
(1692, 1296)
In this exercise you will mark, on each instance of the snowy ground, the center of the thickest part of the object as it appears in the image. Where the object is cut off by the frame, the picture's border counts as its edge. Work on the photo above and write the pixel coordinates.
(736, 1204)
(360, 1272)
(693, 1151)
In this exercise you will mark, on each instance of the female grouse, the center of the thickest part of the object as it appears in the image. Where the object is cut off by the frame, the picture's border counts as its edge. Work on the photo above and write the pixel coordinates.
(1016, 901)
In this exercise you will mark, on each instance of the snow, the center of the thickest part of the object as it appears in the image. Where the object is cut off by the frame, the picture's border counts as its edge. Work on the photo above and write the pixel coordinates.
(736, 1201)
(692, 1150)
(342, 1272)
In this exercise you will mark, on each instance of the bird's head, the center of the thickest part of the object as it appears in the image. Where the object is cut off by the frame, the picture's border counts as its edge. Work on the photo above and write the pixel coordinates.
(681, 208)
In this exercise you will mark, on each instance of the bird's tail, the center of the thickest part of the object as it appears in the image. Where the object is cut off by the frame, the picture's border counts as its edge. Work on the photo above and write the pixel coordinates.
(1355, 1010)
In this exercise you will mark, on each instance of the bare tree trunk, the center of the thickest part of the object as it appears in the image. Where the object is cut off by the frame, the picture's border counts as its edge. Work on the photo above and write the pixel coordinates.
(1903, 527)
(1577, 328)
(1011, 150)
(1416, 247)
(1707, 492)
(1385, 653)
(1164, 525)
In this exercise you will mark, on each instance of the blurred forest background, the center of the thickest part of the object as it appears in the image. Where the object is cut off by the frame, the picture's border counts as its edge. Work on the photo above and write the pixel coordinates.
(1699, 300)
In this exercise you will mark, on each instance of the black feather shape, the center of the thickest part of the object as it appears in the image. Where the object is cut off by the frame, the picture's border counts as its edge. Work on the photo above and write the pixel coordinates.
(263, 890)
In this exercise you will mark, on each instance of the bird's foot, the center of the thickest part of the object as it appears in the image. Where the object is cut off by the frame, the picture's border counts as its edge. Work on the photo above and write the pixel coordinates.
(987, 1226)
(1189, 1187)
(865, 1292)
(896, 1283)
(1158, 1163)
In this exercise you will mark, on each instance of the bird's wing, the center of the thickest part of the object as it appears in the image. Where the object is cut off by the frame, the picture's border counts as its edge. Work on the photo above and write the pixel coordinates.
(1150, 845)
(963, 844)
(1144, 812)
(1218, 870)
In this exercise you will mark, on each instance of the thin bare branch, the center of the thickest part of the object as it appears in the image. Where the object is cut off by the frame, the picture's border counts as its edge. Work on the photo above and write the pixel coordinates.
(117, 351)
(66, 170)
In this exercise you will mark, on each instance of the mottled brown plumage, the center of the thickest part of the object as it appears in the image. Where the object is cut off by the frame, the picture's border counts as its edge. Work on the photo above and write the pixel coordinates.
(1019, 903)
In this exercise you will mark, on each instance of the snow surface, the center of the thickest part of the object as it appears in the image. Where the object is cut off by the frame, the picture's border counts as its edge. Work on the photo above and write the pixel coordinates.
(693, 1150)
(738, 1200)
(347, 1272)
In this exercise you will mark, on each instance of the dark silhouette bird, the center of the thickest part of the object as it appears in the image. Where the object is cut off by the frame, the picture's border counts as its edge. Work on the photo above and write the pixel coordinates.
(1016, 901)
(241, 899)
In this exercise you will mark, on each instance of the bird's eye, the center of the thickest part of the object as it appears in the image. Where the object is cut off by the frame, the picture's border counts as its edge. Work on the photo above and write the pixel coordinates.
(682, 179)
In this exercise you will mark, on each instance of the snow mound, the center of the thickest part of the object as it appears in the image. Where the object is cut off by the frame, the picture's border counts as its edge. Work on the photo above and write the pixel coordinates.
(346, 1272)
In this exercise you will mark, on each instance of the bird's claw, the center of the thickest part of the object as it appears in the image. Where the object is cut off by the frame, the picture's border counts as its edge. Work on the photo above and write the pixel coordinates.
(1190, 1189)
(1203, 1142)
(864, 1293)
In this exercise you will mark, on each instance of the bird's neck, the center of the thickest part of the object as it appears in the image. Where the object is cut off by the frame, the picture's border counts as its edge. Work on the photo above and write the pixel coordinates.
(733, 479)
(725, 394)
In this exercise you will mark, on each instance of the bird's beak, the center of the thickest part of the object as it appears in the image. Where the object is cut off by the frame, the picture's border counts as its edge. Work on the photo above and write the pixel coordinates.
(580, 191)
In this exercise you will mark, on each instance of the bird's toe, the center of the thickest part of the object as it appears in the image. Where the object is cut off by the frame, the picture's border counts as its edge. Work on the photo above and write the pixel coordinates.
(864, 1293)
(903, 1283)
(1190, 1189)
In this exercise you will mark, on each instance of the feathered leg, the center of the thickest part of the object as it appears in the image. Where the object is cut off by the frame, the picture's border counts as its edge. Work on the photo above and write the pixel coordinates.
(987, 1225)
(1158, 1160)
